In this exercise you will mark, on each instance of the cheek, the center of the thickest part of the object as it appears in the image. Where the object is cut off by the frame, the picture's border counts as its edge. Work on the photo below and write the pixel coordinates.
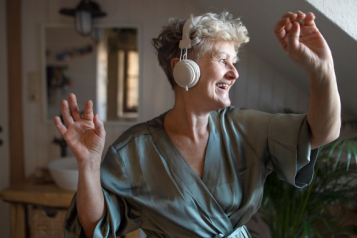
(214, 72)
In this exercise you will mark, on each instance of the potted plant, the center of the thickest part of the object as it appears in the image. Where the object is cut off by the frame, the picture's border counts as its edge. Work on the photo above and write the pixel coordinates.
(317, 209)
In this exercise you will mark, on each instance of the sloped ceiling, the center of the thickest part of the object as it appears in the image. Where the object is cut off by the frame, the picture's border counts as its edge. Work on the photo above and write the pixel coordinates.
(260, 16)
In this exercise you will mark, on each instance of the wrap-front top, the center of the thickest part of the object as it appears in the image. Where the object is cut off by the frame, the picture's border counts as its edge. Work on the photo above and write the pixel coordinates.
(148, 184)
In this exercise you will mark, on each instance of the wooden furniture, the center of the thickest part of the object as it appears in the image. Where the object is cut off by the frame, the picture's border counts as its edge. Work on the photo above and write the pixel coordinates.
(49, 195)
(22, 194)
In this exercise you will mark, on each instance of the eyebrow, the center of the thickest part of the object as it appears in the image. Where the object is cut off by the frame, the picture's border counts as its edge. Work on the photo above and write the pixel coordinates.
(222, 52)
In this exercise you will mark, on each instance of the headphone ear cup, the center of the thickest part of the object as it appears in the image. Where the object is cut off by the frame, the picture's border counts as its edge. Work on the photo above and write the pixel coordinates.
(186, 73)
(197, 73)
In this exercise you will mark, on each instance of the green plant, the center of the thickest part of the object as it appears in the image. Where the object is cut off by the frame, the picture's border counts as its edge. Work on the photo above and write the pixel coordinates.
(295, 213)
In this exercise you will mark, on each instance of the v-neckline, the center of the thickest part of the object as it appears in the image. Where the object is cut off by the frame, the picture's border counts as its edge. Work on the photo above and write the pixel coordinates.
(181, 155)
(212, 163)
(201, 189)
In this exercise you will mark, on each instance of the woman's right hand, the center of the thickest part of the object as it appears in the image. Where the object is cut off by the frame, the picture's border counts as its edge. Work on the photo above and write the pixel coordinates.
(85, 136)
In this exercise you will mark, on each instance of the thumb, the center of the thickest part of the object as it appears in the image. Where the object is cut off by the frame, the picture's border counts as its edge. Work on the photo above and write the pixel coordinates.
(293, 39)
(98, 126)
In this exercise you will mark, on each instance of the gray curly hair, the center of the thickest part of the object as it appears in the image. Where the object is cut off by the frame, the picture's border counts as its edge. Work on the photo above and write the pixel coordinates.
(211, 28)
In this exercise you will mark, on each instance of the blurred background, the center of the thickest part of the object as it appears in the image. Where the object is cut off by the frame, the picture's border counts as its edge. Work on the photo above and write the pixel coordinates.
(44, 58)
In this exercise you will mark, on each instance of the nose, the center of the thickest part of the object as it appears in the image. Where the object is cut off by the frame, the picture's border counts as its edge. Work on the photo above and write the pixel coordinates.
(232, 73)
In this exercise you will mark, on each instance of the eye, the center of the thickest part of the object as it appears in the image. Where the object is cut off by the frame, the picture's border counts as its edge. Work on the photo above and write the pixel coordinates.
(223, 61)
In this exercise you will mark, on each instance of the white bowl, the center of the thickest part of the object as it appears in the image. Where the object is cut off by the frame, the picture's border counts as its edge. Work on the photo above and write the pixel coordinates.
(65, 172)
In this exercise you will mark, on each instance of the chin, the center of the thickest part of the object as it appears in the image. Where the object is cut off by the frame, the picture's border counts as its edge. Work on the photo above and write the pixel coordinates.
(222, 104)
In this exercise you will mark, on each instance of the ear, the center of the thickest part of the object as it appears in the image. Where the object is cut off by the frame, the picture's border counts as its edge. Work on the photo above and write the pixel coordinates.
(174, 61)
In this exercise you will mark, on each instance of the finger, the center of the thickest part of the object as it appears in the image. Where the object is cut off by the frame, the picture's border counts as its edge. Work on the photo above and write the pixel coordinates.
(99, 126)
(279, 28)
(74, 107)
(290, 15)
(293, 39)
(300, 15)
(309, 19)
(60, 127)
(88, 110)
(282, 27)
(66, 114)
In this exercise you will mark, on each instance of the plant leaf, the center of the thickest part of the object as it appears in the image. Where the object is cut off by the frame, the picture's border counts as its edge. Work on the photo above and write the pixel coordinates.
(336, 142)
(306, 229)
(340, 151)
(317, 233)
(348, 155)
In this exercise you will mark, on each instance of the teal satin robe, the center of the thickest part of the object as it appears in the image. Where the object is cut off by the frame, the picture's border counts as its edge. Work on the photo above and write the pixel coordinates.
(148, 184)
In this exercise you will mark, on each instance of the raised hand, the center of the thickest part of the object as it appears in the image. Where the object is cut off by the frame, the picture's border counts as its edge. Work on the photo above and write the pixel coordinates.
(299, 37)
(85, 136)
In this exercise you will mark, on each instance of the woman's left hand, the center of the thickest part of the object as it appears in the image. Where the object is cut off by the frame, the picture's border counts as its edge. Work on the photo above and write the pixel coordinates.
(299, 37)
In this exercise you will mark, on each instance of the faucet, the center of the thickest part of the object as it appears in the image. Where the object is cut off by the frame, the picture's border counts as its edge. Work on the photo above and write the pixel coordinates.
(62, 143)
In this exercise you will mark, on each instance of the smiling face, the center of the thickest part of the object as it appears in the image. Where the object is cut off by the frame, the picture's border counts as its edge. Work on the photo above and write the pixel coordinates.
(218, 74)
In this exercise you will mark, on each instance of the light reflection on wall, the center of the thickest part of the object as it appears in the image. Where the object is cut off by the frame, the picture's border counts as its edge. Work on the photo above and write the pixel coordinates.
(102, 74)
(128, 84)
(123, 74)
(133, 81)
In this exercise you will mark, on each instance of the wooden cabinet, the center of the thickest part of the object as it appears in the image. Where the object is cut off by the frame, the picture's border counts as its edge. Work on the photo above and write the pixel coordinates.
(48, 195)
(21, 195)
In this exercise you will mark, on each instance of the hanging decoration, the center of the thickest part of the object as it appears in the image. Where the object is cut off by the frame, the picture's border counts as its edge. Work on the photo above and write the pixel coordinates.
(76, 52)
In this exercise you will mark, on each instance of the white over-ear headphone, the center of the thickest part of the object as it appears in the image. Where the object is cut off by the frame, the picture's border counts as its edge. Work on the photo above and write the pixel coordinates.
(186, 72)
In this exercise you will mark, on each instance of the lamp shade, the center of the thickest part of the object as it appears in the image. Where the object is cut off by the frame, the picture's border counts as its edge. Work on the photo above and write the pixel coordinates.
(84, 14)
(84, 22)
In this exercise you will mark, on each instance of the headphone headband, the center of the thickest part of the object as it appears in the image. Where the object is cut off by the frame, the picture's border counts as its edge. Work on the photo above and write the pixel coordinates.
(186, 32)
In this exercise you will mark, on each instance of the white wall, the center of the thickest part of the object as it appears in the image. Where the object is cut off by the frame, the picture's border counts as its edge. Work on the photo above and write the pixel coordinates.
(341, 12)
(262, 88)
(4, 123)
(60, 39)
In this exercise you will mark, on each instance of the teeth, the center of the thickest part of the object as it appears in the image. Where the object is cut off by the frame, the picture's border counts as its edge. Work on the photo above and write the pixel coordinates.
(222, 85)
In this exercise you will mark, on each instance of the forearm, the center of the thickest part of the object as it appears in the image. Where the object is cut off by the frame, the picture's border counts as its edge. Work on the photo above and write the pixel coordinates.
(324, 116)
(90, 200)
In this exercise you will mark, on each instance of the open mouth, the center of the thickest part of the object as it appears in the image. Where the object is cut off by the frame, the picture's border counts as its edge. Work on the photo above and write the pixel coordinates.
(222, 86)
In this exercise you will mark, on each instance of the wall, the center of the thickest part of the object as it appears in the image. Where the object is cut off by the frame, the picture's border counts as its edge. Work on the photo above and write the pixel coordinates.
(60, 39)
(4, 123)
(260, 87)
(341, 12)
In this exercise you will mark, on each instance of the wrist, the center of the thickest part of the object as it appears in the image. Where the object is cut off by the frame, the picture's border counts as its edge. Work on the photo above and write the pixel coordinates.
(89, 165)
(323, 72)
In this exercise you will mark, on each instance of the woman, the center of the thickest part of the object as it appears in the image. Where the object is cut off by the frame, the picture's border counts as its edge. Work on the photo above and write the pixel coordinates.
(199, 169)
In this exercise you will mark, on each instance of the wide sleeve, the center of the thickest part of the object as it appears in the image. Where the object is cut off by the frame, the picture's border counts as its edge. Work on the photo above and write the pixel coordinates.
(290, 150)
(123, 214)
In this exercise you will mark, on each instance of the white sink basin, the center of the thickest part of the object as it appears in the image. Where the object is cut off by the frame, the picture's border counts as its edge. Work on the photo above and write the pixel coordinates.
(64, 171)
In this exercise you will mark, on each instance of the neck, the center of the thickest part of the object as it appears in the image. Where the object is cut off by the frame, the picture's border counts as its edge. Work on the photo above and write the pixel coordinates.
(186, 119)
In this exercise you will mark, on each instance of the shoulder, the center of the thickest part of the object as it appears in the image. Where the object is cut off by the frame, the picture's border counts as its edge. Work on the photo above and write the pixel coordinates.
(139, 134)
(242, 116)
(130, 135)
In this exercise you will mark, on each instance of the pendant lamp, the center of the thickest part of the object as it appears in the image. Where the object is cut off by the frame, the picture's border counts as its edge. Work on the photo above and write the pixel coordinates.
(83, 15)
